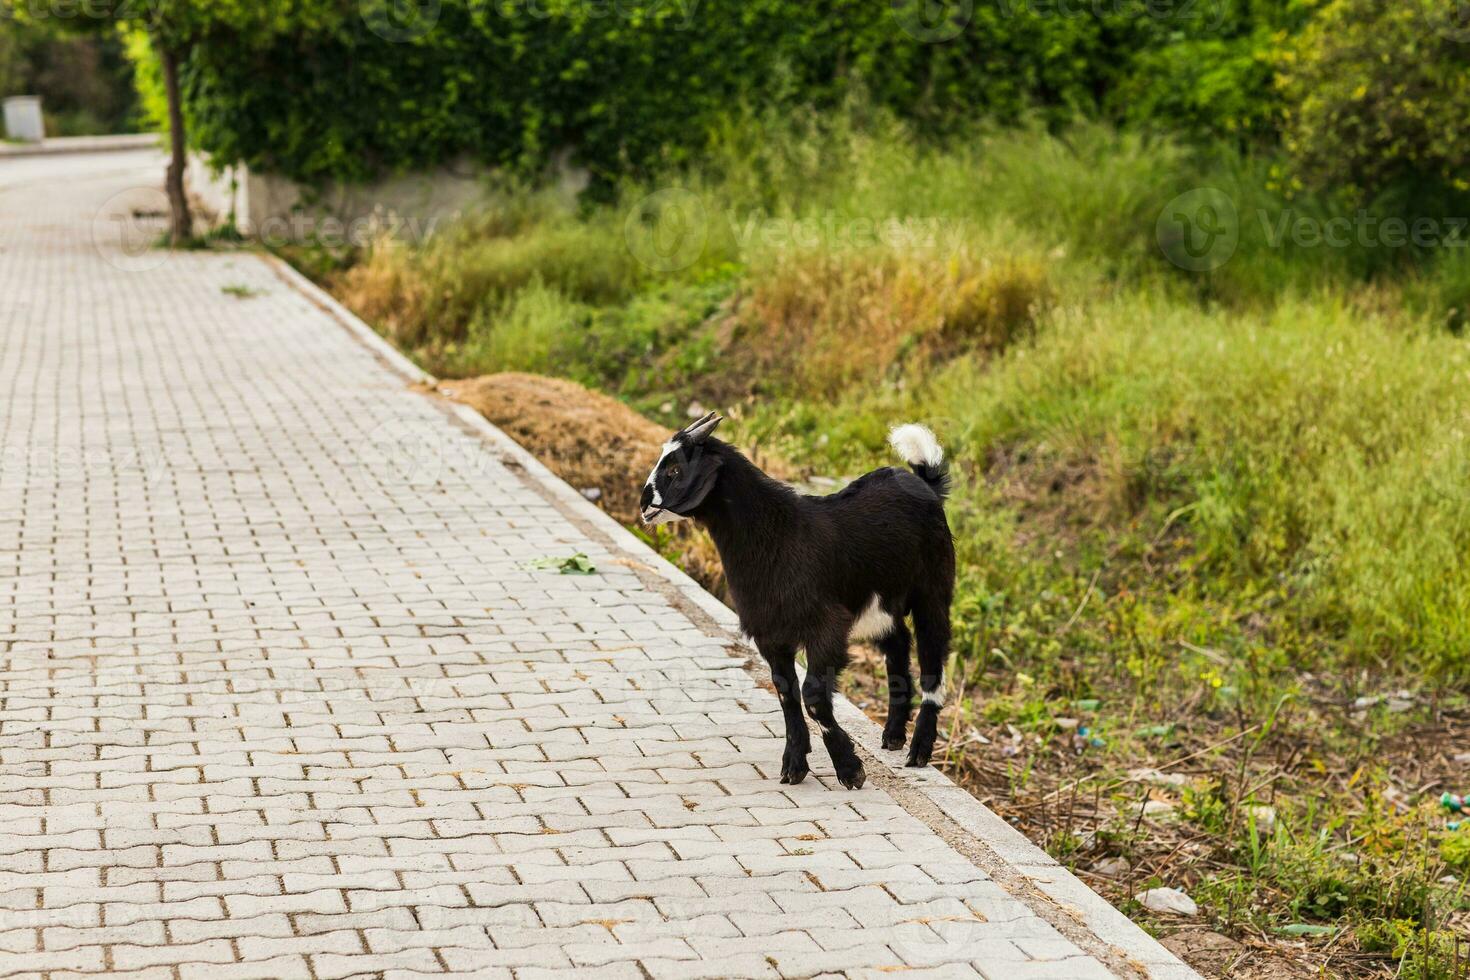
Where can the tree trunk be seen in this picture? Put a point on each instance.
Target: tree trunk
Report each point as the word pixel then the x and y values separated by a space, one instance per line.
pixel 181 223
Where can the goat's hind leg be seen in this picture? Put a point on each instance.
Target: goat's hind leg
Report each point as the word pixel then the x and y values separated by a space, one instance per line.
pixel 798 740
pixel 931 626
pixel 896 647
pixel 823 665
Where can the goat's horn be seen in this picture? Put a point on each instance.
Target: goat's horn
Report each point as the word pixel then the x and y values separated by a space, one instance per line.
pixel 699 421
pixel 704 426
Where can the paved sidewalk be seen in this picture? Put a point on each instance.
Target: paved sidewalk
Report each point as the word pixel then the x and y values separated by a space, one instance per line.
pixel 280 695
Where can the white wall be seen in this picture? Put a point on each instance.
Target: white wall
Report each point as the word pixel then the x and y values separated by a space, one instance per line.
pixel 278 210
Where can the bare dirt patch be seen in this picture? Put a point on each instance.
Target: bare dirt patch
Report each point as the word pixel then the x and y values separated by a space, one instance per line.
pixel 593 442
pixel 1215 955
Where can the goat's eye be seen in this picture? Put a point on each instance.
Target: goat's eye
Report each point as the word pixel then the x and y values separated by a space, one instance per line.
pixel 675 472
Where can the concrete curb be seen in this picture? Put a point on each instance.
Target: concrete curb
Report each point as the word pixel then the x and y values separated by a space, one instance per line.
pixel 82 144
pixel 1036 878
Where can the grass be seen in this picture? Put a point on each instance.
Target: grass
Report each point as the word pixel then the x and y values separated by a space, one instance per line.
pixel 1208 517
pixel 1319 455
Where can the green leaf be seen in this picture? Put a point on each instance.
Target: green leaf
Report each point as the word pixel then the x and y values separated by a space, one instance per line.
pixel 1306 929
pixel 578 564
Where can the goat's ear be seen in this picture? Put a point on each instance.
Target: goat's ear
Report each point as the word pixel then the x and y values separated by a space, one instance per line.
pixel 699 431
pixel 709 471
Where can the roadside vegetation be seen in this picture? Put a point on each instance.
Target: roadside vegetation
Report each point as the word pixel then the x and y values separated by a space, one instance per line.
pixel 1214 526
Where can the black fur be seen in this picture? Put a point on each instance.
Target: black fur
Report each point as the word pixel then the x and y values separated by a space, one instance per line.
pixel 802 569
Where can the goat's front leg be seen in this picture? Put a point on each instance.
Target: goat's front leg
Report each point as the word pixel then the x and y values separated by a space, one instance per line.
pixel 821 682
pixel 798 742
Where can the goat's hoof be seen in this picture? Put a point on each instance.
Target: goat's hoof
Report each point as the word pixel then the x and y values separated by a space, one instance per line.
pixel 919 758
pixel 892 742
pixel 854 778
pixel 793 769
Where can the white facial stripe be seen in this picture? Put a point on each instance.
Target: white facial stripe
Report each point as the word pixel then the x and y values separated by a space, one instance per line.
pixel 935 698
pixel 658 498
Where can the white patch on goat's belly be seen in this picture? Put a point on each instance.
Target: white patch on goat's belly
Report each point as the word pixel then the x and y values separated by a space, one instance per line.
pixel 872 623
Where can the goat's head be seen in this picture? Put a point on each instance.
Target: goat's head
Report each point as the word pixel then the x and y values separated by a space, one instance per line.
pixel 683 475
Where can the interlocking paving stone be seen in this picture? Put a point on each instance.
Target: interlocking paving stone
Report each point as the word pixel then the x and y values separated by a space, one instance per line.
pixel 281 695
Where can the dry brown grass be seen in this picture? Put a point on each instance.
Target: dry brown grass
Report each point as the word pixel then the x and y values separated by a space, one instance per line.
pixel 834 319
pixel 816 321
pixel 588 439
pixel 387 290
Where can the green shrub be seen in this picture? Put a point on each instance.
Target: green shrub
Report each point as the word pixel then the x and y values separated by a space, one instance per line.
pixel 1205 88
pixel 1377 94
pixel 637 87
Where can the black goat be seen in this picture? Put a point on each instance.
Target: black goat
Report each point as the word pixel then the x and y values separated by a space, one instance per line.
pixel 813 573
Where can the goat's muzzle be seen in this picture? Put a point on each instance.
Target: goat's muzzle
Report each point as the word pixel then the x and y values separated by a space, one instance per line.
pixel 659 515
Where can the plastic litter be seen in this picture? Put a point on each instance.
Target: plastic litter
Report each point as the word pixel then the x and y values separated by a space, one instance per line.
pixel 1087 738
pixel 1159 778
pixel 1453 804
pixel 1265 817
pixel 1113 867
pixel 1157 810
pixel 1168 900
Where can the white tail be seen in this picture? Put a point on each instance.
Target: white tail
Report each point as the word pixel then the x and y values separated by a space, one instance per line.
pixel 916 444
